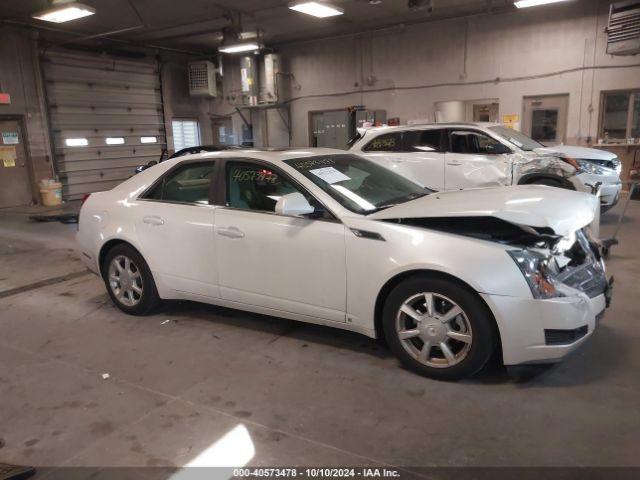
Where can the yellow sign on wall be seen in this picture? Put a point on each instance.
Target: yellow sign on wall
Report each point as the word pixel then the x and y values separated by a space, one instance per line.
pixel 511 121
pixel 8 156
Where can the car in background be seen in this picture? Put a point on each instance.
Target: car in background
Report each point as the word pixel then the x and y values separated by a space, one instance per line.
pixel 598 166
pixel 326 237
pixel 456 156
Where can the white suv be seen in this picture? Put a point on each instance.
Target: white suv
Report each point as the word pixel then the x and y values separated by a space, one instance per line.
pixel 470 155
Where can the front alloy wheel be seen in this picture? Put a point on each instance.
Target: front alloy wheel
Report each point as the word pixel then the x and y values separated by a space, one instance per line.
pixel 439 327
pixel 434 330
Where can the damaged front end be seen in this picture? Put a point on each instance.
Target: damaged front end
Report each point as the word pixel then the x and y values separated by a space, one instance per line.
pixel 553 265
pixel 536 165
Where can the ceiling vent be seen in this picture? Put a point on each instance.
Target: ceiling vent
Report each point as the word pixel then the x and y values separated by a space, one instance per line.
pixel 624 28
pixel 202 79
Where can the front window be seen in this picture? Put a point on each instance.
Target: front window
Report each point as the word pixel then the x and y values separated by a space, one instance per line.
pixel 357 184
pixel 516 138
pixel 252 186
pixel 470 142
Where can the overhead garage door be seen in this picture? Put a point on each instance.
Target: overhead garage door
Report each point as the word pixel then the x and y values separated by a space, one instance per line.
pixel 106 118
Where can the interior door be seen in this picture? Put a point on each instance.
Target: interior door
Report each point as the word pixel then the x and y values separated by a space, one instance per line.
pixel 15 186
pixel 174 223
pixel 291 264
pixel 545 118
pixel 417 155
pixel 475 159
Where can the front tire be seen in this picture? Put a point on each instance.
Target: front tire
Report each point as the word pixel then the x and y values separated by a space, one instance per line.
pixel 438 328
pixel 550 182
pixel 129 280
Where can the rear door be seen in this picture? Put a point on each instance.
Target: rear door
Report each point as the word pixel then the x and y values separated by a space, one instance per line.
pixel 174 223
pixel 475 159
pixel 414 154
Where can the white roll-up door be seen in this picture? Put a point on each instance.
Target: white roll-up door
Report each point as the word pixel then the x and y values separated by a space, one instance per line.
pixel 106 118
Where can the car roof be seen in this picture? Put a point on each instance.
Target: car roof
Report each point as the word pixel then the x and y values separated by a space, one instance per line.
pixel 419 126
pixel 267 154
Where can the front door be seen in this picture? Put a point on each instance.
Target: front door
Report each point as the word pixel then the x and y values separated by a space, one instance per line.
pixel 545 118
pixel 291 264
pixel 174 223
pixel 15 185
pixel 474 159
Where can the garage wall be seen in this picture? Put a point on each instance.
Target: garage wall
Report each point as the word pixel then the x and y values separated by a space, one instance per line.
pixel 19 76
pixel 538 51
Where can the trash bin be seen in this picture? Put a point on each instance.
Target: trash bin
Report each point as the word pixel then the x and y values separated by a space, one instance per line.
pixel 51 193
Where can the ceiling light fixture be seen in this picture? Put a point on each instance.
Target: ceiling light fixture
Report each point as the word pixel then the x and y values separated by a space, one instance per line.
pixel 535 3
pixel 317 9
pixel 239 47
pixel 64 11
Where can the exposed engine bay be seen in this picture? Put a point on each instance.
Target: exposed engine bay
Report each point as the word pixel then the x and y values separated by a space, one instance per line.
pixel 554 265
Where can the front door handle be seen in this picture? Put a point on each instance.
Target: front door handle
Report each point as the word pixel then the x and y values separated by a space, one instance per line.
pixel 454 163
pixel 153 220
pixel 230 232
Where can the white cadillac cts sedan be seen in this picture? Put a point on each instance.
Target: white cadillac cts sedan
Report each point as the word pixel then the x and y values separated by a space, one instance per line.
pixel 327 237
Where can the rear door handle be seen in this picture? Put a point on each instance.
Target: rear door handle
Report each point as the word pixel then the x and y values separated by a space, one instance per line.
pixel 454 163
pixel 230 232
pixel 153 220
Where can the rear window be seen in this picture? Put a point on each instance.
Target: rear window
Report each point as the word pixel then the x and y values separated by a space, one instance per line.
pixel 422 141
pixel 388 142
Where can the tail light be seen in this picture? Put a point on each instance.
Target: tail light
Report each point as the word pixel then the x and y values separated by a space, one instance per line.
pixel 84 198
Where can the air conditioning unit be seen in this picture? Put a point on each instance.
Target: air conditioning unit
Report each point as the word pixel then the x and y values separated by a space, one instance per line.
pixel 624 28
pixel 202 79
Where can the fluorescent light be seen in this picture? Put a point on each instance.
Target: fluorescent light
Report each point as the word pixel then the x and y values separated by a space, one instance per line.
pixel 317 9
pixel 114 140
pixel 76 142
pixel 65 12
pixel 239 47
pixel 148 139
pixel 534 3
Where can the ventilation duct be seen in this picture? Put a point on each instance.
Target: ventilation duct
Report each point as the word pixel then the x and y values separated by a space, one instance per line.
pixel 624 28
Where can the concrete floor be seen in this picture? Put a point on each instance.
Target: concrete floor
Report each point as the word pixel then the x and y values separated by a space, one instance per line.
pixel 194 378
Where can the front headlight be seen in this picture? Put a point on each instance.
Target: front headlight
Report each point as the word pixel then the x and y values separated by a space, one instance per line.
pixel 590 167
pixel 539 272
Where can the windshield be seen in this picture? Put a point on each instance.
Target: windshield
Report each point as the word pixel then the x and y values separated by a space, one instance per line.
pixel 357 184
pixel 519 139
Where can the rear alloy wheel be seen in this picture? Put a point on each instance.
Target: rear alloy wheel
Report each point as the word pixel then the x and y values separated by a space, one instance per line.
pixel 125 281
pixel 129 280
pixel 438 328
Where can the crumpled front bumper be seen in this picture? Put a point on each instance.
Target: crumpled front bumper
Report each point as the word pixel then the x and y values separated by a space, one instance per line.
pixel 527 324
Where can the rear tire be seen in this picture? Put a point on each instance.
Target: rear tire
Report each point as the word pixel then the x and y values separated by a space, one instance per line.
pixel 129 280
pixel 448 321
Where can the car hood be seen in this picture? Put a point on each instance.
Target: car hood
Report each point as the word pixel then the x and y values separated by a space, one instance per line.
pixel 582 153
pixel 564 211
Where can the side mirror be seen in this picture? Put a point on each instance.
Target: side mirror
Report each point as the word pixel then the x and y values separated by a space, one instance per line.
pixel 293 204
